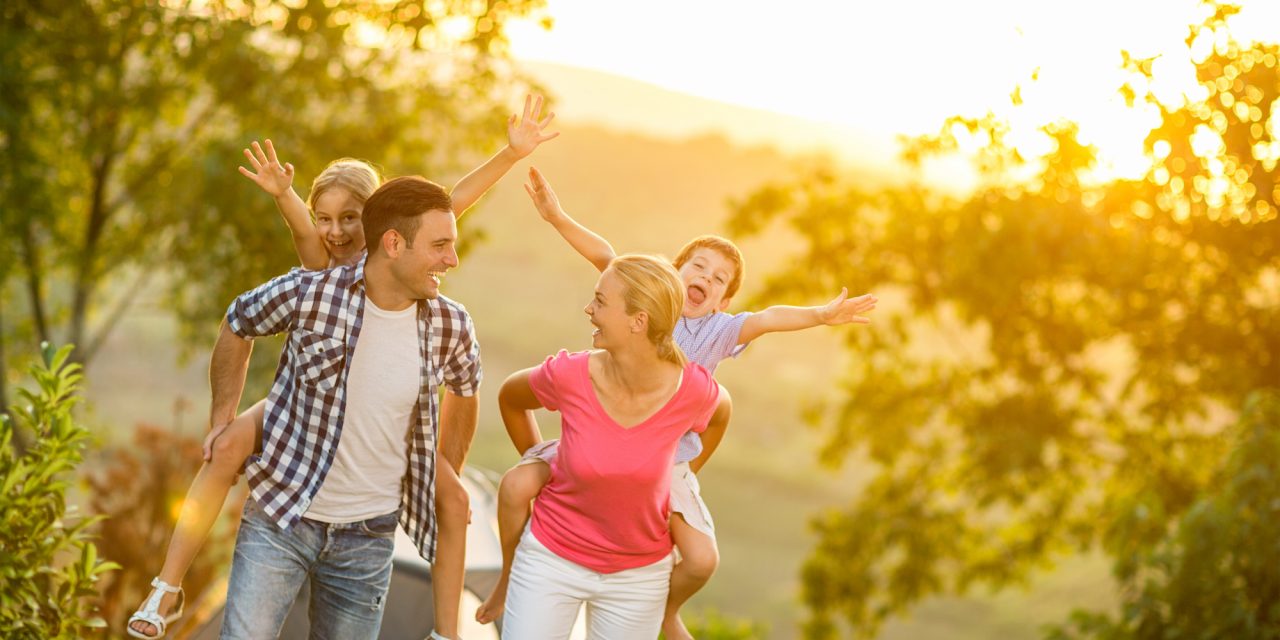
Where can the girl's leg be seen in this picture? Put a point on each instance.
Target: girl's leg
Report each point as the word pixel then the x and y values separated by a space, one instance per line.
pixel 516 492
pixel 448 574
pixel 699 558
pixel 204 502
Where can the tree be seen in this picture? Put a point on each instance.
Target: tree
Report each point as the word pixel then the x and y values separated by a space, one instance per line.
pixel 121 123
pixel 1065 357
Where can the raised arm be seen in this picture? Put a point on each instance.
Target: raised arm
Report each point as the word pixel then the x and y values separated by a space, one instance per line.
pixel 841 310
pixel 227 369
pixel 516 403
pixel 586 242
pixel 524 134
pixel 715 430
pixel 277 180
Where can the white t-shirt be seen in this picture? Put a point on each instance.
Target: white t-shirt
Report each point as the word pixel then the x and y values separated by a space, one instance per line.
pixel 373 451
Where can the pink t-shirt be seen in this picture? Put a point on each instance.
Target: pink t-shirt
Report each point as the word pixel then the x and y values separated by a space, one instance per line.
pixel 608 500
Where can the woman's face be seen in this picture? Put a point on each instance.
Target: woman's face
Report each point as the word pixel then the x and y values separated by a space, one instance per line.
pixel 607 312
pixel 338 221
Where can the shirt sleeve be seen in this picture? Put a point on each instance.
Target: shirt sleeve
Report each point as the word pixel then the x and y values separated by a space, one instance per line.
pixel 546 380
pixel 708 400
pixel 267 310
pixel 726 336
pixel 462 371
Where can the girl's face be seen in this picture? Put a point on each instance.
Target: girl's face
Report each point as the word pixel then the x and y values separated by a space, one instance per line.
pixel 338 221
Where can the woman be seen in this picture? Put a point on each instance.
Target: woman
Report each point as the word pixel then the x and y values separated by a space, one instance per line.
pixel 336 237
pixel 599 532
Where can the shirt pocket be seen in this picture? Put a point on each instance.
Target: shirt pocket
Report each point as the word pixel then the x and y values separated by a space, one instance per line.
pixel 320 361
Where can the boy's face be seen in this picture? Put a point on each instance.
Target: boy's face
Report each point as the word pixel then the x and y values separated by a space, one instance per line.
pixel 706 275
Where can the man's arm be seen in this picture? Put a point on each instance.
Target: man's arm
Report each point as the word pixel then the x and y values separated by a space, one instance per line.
pixel 516 402
pixel 227 369
pixel 714 433
pixel 276 180
pixel 586 242
pixel 841 310
pixel 523 136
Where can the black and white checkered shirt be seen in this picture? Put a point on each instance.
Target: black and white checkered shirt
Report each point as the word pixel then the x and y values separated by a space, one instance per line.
pixel 322 311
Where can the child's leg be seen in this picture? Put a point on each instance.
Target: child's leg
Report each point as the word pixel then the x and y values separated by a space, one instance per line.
pixel 699 558
pixel 448 573
pixel 204 501
pixel 519 487
pixel 694 535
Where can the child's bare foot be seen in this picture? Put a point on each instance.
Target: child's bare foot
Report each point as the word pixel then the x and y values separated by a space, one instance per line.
pixel 673 628
pixel 493 605
pixel 148 630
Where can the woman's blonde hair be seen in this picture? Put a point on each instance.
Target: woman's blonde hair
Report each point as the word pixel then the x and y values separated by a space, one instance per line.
pixel 652 285
pixel 358 177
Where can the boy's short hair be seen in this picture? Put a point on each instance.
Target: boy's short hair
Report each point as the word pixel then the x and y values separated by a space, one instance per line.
pixel 724 247
pixel 399 204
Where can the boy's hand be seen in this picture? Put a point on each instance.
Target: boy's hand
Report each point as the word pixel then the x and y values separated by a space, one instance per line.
pixel 524 135
pixel 845 310
pixel 270 175
pixel 543 197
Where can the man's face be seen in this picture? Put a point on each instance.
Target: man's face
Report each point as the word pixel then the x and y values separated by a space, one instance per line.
pixel 419 268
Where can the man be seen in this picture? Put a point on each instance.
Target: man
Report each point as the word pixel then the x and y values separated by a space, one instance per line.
pixel 350 442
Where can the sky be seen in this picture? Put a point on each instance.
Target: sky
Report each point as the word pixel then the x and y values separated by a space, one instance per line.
pixel 900 66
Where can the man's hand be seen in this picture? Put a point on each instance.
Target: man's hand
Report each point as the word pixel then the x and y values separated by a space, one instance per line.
pixel 268 173
pixel 214 433
pixel 525 133
pixel 845 310
pixel 544 198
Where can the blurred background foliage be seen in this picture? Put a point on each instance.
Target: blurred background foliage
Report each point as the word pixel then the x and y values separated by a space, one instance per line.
pixel 1060 363
pixel 119 122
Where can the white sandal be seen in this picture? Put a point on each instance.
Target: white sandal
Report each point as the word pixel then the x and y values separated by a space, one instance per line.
pixel 149 612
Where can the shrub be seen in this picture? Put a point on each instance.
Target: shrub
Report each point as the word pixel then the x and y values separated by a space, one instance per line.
pixel 48 566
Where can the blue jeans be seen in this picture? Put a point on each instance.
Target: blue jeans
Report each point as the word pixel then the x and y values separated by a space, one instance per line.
pixel 349 566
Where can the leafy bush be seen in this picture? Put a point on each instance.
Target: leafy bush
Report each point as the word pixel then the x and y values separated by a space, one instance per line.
pixel 47 564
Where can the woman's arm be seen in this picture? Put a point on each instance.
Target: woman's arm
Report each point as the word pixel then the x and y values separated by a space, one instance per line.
pixel 277 180
pixel 516 403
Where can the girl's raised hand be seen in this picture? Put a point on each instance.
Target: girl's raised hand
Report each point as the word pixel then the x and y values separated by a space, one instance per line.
pixel 525 133
pixel 268 173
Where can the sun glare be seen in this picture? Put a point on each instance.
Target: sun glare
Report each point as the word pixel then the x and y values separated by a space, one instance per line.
pixel 904 67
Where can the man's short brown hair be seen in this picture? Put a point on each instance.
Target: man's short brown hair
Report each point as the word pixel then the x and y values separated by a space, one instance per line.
pixel 399 204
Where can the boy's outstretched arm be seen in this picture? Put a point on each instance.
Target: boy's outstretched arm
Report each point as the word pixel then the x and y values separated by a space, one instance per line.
pixel 523 136
pixel 714 433
pixel 516 403
pixel 841 310
pixel 586 242
pixel 277 180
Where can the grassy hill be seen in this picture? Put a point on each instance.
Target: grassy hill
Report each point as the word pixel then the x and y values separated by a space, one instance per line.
pixel 526 290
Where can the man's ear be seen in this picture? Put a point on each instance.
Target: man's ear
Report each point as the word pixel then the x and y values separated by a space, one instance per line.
pixel 391 243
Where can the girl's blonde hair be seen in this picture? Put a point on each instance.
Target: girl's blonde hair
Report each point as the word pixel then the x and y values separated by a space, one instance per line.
pixel 653 286
pixel 358 177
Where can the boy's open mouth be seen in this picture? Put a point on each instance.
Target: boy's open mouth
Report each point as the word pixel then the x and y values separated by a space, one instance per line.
pixel 696 294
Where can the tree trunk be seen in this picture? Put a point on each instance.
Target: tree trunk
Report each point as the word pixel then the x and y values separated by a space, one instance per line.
pixel 86 277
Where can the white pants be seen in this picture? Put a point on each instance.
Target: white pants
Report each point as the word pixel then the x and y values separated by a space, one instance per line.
pixel 546 592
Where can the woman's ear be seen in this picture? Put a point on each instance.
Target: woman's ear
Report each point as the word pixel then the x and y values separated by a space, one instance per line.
pixel 640 322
